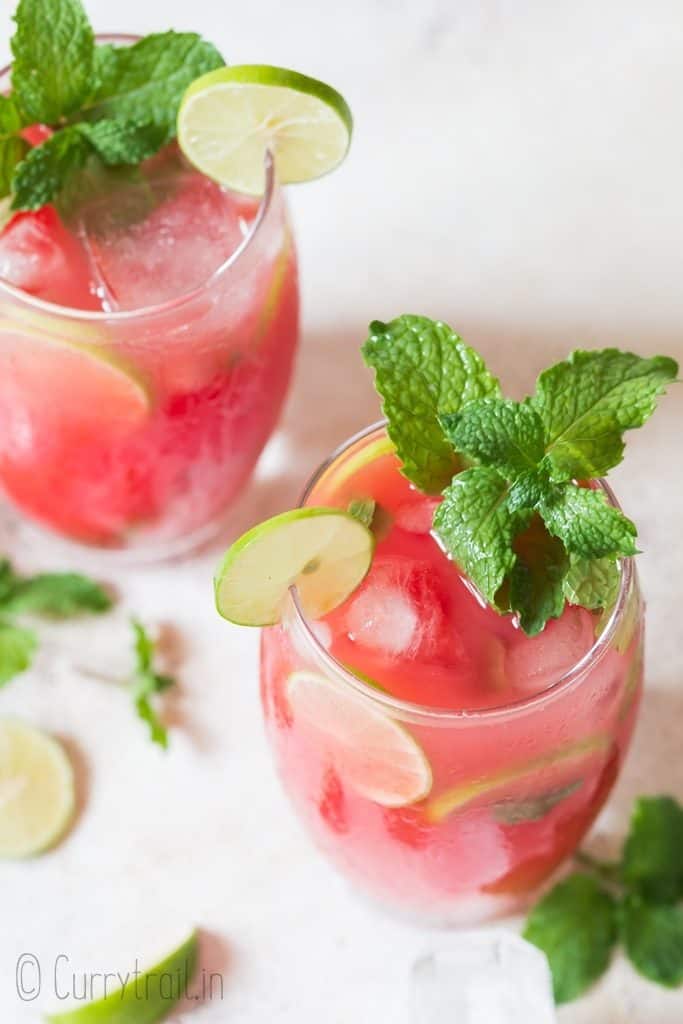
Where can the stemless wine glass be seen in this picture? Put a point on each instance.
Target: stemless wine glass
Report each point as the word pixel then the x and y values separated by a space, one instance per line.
pixel 134 428
pixel 514 787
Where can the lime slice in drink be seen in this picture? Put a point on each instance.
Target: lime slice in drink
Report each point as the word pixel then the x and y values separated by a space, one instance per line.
pixel 148 998
pixel 325 553
pixel 230 117
pixel 87 384
pixel 535 770
pixel 37 798
pixel 371 752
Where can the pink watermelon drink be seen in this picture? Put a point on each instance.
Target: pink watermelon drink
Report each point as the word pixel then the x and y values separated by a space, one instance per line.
pixel 453 662
pixel 148 309
pixel 520 738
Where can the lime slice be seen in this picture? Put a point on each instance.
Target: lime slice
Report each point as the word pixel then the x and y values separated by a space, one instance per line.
pixel 37 798
pixel 371 752
pixel 87 384
pixel 150 999
pixel 230 117
pixel 459 796
pixel 325 553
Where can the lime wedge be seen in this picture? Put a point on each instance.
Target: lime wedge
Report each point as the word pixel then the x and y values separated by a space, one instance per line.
pixel 87 383
pixel 325 553
pixel 459 796
pixel 371 752
pixel 230 117
pixel 150 998
pixel 37 798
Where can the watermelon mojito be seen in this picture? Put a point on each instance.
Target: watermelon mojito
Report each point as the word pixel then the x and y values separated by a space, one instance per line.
pixel 148 308
pixel 507 745
pixel 453 659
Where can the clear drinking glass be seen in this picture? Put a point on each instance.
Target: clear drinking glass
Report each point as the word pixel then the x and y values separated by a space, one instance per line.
pixel 515 787
pixel 134 427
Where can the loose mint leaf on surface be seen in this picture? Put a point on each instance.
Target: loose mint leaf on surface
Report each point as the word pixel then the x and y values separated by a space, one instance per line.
pixel 653 938
pixel 363 509
pixel 53 49
pixel 123 142
pixel 145 82
pixel 47 168
pixel 8 580
pixel 536 590
pixel 589 400
pixel 59 595
pixel 477 528
pixel 592 582
pixel 496 432
pixel 146 682
pixel 12 147
pixel 652 861
pixel 586 524
pixel 423 370
pixel 576 927
pixel 17 647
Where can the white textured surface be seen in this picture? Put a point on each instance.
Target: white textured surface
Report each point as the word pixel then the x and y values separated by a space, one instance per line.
pixel 516 170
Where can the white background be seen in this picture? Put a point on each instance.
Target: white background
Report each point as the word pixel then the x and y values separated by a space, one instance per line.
pixel 517 170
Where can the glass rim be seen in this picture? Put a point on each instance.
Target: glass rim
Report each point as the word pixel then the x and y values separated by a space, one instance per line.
pixel 570 677
pixel 169 305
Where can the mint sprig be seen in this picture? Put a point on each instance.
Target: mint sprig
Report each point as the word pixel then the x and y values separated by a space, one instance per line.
pixel 516 519
pixel 49 595
pixel 146 682
pixel 637 900
pixel 116 105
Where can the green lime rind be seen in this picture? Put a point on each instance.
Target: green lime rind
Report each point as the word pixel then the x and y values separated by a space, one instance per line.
pixel 146 999
pixel 324 552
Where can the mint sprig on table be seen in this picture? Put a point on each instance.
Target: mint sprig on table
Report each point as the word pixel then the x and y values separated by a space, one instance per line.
pixel 146 682
pixel 637 901
pixel 50 595
pixel 113 106
pixel 514 516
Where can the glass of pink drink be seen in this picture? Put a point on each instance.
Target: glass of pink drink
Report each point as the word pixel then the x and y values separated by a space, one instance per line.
pixel 522 737
pixel 146 347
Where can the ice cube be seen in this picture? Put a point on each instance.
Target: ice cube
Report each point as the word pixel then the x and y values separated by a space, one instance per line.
pixel 417 516
pixel 483 977
pixel 158 238
pixel 399 611
pixel 534 663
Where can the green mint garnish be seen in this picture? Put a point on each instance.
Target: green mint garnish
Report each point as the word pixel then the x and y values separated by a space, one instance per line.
pixel 51 595
pixel 146 682
pixel 576 927
pixel 116 105
pixel 516 519
pixel 423 371
pixel 637 900
pixel 17 647
pixel 363 509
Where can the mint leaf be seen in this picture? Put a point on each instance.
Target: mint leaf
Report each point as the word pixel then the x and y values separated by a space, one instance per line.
pixel 145 683
pixel 536 590
pixel 12 147
pixel 46 168
pixel 585 523
pixel 17 647
pixel 529 488
pixel 123 142
pixel 53 49
pixel 59 595
pixel 363 509
pixel 653 939
pixel 497 432
pixel 592 582
pixel 145 82
pixel 477 528
pixel 423 370
pixel 516 812
pixel 652 860
pixel 8 579
pixel 576 927
pixel 589 400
